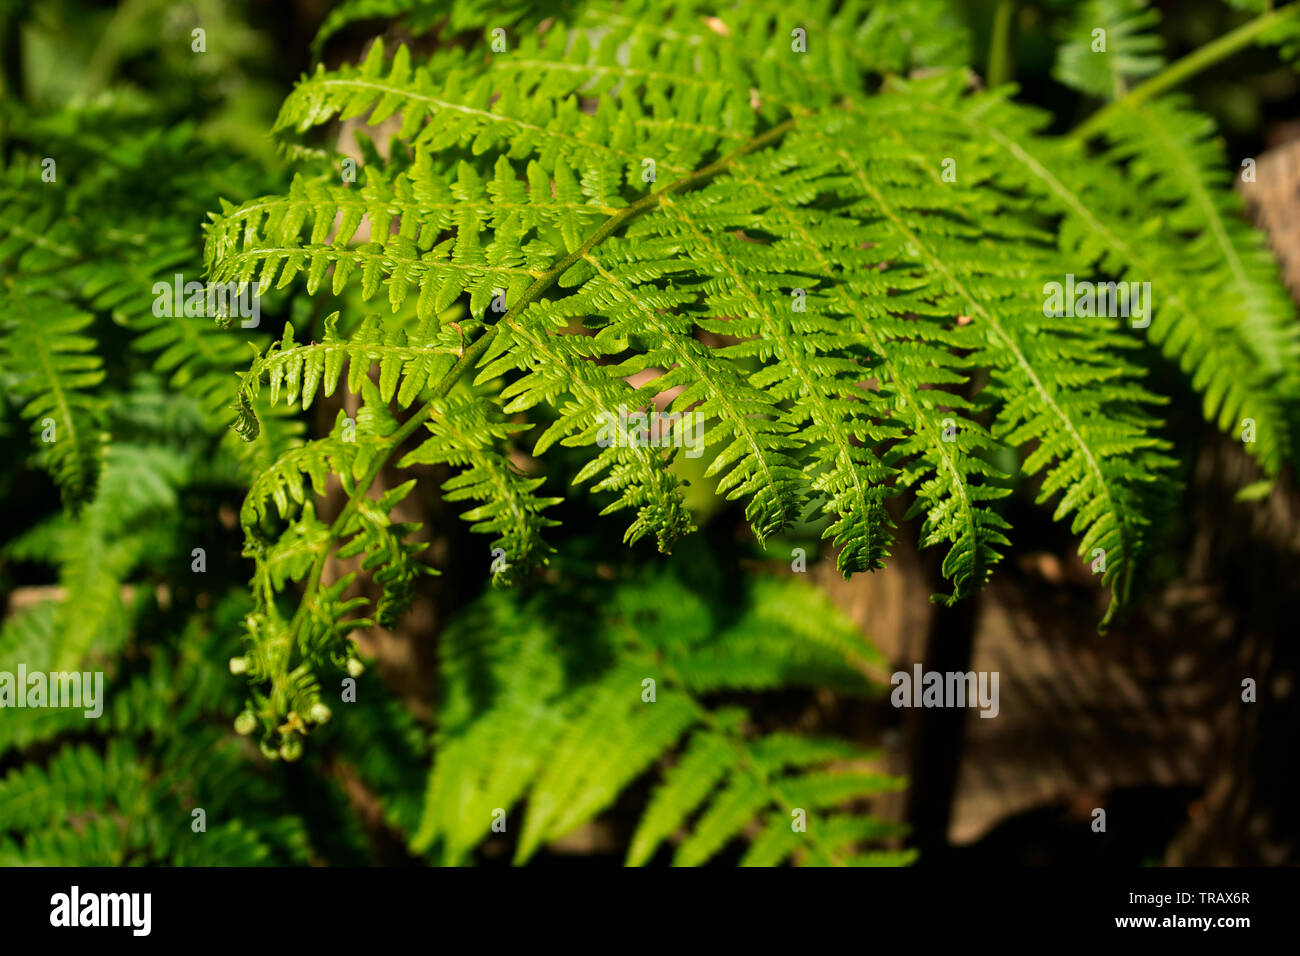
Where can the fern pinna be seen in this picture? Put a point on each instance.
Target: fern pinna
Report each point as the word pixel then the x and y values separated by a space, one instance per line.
pixel 811 229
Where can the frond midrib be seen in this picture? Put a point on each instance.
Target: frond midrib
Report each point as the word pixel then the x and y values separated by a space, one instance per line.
pixel 1077 207
pixel 1191 174
pixel 437 103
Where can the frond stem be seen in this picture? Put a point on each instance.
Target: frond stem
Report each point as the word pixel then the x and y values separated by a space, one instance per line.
pixel 999 68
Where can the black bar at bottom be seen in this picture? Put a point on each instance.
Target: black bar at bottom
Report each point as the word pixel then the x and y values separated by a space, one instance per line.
pixel 574 905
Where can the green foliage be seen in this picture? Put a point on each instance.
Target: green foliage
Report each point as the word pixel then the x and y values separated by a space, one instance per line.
pixel 416 361
pixel 140 449
pixel 118 218
pixel 126 797
pixel 463 433
pixel 845 286
pixel 1232 324
pixel 1182 171
pixel 565 699
pixel 59 368
pixel 1102 64
pixel 122 789
pixel 809 229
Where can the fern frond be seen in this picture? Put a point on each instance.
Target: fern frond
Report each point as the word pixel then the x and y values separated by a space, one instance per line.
pixel 703 765
pixel 415 361
pixel 273 240
pixel 757 461
pixel 284 657
pixel 756 788
pixel 515 724
pixel 748 44
pixel 385 553
pixel 38 797
pixel 53 241
pixel 443 105
pixel 1102 65
pixel 559 365
pixel 101 808
pixel 685 213
pixel 626 290
pixel 1174 159
pixel 1104 225
pixel 137 483
pixel 1086 418
pixel 283 483
pixel 913 406
pixel 53 368
pixel 27 638
pixel 464 432
pixel 609 738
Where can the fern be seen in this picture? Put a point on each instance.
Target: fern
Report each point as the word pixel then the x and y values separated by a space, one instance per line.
pixel 691 212
pixel 59 373
pixel 1104 64
pixel 1184 174
pixel 147 469
pixel 415 361
pixel 120 790
pixel 516 724
pixel 807 230
pixel 1171 175
pixel 463 433
pixel 288 653
pixel 58 255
